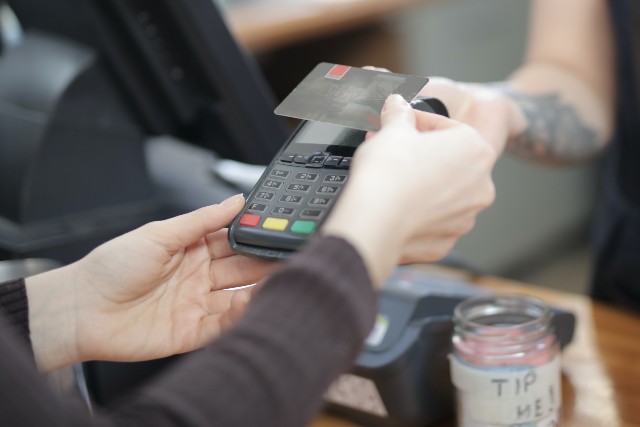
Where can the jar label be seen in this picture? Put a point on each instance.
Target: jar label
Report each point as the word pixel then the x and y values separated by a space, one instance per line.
pixel 507 395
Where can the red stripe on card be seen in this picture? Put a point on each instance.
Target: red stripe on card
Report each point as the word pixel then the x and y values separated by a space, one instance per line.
pixel 337 72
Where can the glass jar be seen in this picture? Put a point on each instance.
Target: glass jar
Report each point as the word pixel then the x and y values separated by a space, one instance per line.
pixel 505 363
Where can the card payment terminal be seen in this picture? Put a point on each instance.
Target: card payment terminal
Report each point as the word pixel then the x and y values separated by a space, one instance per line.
pixel 300 186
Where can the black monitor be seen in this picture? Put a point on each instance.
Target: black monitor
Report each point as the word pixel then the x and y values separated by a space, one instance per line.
pixel 82 93
pixel 177 64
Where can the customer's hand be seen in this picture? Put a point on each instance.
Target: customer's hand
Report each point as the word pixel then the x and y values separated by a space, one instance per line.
pixel 153 292
pixel 414 189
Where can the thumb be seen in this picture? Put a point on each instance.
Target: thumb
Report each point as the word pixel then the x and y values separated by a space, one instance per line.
pixel 397 112
pixel 184 230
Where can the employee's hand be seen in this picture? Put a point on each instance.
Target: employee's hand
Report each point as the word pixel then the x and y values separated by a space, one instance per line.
pixel 153 292
pixel 483 107
pixel 414 189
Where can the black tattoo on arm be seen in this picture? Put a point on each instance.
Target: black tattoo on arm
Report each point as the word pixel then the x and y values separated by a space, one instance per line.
pixel 555 132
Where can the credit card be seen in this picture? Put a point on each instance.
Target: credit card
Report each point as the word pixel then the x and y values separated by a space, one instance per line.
pixel 347 96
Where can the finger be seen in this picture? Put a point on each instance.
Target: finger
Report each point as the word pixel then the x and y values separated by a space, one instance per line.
pixel 369 135
pixel 371 67
pixel 184 230
pixel 229 308
pixel 426 122
pixel 238 270
pixel 439 87
pixel 218 244
pixel 219 301
pixel 239 303
pixel 397 112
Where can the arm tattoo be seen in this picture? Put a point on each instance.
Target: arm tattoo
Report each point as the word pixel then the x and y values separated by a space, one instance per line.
pixel 555 133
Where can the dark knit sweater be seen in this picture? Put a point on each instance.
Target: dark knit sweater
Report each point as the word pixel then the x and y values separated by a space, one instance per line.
pixel 304 328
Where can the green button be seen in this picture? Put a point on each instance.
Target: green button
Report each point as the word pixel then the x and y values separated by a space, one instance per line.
pixel 303 227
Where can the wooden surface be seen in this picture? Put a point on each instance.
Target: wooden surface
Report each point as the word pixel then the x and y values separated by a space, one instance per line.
pixel 601 368
pixel 261 25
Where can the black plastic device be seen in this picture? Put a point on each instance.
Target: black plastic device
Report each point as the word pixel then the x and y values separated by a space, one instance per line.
pixel 300 186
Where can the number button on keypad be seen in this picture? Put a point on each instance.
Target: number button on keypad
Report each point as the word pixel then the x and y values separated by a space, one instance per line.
pixel 306 176
pixel 327 189
pixel 319 201
pixel 279 210
pixel 279 173
pixel 264 195
pixel 270 183
pixel 298 187
pixel 288 198
pixel 338 179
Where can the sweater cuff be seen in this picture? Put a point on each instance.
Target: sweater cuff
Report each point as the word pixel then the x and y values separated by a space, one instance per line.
pixel 14 306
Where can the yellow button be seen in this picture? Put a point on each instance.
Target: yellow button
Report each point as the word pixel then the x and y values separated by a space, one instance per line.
pixel 275 224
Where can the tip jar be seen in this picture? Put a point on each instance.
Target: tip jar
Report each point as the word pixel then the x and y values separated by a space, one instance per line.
pixel 505 363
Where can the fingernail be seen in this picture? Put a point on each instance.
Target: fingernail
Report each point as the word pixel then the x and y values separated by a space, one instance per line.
pixel 233 199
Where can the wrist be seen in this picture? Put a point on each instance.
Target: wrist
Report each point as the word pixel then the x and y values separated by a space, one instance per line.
pixel 373 236
pixel 52 323
pixel 515 122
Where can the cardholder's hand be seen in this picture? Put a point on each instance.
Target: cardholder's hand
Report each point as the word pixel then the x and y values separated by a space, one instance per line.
pixel 418 185
pixel 156 291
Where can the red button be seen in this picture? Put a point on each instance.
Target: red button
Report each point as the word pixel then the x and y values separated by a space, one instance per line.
pixel 249 220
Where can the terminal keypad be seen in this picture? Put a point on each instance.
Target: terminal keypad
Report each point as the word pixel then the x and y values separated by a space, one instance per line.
pixel 297 195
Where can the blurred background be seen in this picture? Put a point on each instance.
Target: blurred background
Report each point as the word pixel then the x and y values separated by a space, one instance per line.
pixel 538 229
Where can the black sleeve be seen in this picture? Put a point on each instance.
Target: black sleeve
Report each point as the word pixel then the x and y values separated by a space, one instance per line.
pixel 304 327
pixel 14 307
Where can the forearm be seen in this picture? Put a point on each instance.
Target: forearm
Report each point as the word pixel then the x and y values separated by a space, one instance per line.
pixel 555 116
pixel 562 98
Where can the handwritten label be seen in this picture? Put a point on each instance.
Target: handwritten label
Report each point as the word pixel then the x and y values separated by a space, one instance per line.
pixel 507 395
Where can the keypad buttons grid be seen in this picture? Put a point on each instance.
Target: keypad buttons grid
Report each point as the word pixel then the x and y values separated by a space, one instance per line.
pixel 285 183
